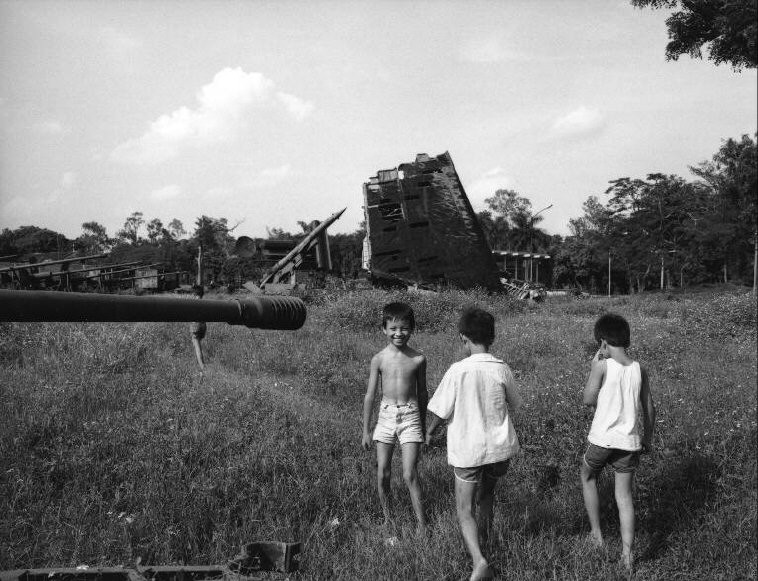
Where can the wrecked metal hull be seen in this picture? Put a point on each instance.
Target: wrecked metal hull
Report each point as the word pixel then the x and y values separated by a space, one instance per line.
pixel 421 228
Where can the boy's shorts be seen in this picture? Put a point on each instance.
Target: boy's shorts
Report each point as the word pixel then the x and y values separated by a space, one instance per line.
pixel 398 421
pixel 620 460
pixel 477 473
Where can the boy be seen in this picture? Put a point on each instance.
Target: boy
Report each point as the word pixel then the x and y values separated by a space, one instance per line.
pixel 401 370
pixel 618 389
pixel 476 396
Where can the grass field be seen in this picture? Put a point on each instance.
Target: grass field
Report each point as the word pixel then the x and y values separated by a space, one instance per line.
pixel 113 447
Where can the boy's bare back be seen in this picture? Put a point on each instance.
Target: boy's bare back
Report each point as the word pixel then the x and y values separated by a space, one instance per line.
pixel 400 371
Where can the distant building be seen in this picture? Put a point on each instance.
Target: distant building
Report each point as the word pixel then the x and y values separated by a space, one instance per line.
pixel 526 266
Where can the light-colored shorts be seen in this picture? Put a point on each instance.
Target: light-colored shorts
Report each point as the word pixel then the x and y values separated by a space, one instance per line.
pixel 398 421
pixel 477 473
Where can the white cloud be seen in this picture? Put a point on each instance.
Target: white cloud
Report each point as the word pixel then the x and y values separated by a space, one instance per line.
pixel 118 43
pixel 487 184
pixel 264 179
pixel 65 185
pixel 489 49
pixel 221 192
pixel 580 122
pixel 270 177
pixel 68 180
pixel 166 193
pixel 218 117
pixel 48 127
pixel 297 107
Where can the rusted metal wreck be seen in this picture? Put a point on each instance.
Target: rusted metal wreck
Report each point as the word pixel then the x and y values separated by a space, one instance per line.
pixel 422 229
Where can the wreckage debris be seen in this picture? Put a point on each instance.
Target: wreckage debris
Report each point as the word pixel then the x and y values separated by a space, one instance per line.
pixel 422 230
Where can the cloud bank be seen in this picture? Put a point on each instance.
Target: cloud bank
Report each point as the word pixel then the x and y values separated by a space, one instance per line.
pixel 217 118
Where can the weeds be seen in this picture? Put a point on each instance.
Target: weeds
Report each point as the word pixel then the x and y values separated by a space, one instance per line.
pixel 114 447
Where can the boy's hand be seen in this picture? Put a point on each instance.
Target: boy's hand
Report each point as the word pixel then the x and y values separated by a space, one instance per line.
pixel 428 439
pixel 366 441
pixel 647 446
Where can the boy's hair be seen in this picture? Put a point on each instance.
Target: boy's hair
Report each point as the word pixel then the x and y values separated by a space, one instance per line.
pixel 399 311
pixel 614 329
pixel 478 325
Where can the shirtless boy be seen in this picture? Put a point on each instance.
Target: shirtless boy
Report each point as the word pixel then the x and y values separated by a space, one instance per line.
pixel 401 372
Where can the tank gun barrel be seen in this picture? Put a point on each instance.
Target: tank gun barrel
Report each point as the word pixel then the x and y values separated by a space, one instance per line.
pixel 262 312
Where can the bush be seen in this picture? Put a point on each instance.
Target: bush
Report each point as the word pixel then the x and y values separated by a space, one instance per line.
pixel 435 311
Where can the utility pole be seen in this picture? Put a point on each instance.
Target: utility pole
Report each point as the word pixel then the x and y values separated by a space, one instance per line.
pixel 531 238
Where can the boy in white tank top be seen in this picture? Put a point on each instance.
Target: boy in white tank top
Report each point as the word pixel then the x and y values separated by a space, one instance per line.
pixel 619 390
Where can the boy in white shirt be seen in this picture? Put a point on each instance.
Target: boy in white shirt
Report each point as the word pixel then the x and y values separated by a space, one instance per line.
pixel 476 396
pixel 619 390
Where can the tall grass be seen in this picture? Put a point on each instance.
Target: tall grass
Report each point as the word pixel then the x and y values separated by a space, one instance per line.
pixel 113 447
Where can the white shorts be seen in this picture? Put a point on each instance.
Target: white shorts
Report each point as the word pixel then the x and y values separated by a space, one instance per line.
pixel 398 421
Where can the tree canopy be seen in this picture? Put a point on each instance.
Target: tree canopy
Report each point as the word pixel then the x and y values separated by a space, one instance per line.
pixel 726 27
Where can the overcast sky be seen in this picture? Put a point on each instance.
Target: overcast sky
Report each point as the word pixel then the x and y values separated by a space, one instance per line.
pixel 270 112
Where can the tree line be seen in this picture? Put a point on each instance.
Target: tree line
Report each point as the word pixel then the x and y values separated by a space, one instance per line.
pixel 640 234
pixel 659 232
pixel 150 242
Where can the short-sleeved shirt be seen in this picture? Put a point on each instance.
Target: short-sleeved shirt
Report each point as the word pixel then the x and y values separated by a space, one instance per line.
pixel 475 396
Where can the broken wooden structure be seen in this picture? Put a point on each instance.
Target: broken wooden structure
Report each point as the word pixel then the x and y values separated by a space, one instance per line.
pixel 254 558
pixel 422 230
pixel 33 274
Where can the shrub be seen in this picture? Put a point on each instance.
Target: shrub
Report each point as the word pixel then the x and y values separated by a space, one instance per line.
pixel 435 312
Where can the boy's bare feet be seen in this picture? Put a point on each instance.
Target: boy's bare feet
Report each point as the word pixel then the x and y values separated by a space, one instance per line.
pixel 627 561
pixel 596 540
pixel 482 571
